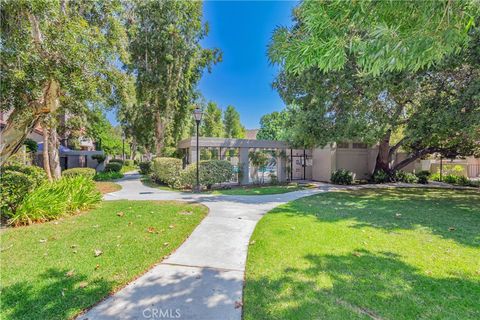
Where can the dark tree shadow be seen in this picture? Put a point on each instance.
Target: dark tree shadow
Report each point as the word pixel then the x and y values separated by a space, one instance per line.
pixel 450 214
pixel 360 286
pixel 61 297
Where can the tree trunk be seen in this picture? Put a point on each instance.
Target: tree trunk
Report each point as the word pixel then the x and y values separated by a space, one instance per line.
pixel 53 154
pixel 46 162
pixel 159 134
pixel 133 149
pixel 383 157
pixel 22 121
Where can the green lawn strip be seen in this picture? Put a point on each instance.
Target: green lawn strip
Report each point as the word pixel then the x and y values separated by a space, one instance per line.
pixel 126 169
pixel 389 253
pixel 259 190
pixel 50 271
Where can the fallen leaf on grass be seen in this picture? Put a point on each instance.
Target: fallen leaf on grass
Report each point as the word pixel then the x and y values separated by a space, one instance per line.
pixel 171 226
pixel 98 252
pixel 97 267
pixel 452 229
pixel 70 273
pixel 43 240
pixel 238 304
pixel 398 215
pixel 357 254
pixel 252 242
pixel 83 284
pixel 165 244
pixel 120 214
pixel 151 230
pixel 186 213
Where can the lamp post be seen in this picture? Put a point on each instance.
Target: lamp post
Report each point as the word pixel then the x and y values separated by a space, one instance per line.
pixel 197 115
pixel 123 146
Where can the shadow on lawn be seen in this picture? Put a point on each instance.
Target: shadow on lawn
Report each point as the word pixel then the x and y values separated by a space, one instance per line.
pixel 450 214
pixel 61 297
pixel 360 285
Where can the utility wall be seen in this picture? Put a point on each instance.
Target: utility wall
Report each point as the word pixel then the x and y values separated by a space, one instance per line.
pixel 354 157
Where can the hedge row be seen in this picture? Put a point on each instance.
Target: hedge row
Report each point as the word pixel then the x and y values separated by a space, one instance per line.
pixel 170 171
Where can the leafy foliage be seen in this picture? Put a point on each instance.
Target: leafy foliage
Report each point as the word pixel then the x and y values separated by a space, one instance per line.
pixel 422 176
pixel 382 36
pixel 99 157
pixel 52 200
pixel 210 172
pixel 14 186
pixel 113 167
pixel 167 171
pixel 233 126
pixel 342 176
pixel 84 172
pixel 32 145
pixel 407 177
pixel 381 176
pixel 212 125
pixel 106 176
pixel 273 126
pixel 145 167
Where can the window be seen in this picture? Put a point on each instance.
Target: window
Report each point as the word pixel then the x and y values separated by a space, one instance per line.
pixel 342 145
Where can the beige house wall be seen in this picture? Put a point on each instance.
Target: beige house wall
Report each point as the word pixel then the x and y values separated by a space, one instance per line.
pixel 324 162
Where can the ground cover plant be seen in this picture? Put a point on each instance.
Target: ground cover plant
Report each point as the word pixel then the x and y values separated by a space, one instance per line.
pixel 259 190
pixel 381 254
pixel 107 186
pixel 56 269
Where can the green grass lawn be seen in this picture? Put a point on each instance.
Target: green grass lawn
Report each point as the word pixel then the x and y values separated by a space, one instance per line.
pixel 259 190
pixel 369 254
pixel 50 271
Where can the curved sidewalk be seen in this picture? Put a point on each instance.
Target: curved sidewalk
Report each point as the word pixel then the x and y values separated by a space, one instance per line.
pixel 203 278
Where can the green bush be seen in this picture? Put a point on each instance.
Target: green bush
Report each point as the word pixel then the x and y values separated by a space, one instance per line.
pixel 342 176
pixel 129 163
pixel 15 183
pixel 422 176
pixel 116 160
pixel 99 157
pixel 406 177
pixel 210 173
pixel 113 167
pixel 145 167
pixel 74 172
pixel 381 177
pixel 37 174
pixel 435 176
pixel 167 171
pixel 55 199
pixel 451 179
pixel 105 176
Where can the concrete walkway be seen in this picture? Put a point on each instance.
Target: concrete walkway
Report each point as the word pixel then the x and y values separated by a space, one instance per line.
pixel 203 279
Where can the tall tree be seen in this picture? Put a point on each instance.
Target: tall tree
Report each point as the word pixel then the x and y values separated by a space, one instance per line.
pixel 69 55
pixel 273 126
pixel 212 125
pixel 232 124
pixel 168 61
pixel 354 100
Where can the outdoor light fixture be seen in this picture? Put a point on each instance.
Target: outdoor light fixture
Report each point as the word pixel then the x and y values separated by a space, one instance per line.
pixel 197 115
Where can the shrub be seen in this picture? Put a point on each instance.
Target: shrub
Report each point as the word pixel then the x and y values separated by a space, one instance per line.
pixel 99 157
pixel 145 167
pixel 55 199
pixel 74 172
pixel 422 176
pixel 406 177
pixel 128 163
pixel 113 167
pixel 381 177
pixel 105 176
pixel 167 171
pixel 37 174
pixel 435 176
pixel 342 176
pixel 15 183
pixel 210 173
pixel 450 178
pixel 116 161
pixel 32 145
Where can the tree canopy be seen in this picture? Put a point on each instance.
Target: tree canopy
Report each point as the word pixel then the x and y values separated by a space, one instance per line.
pixel 232 124
pixel 212 125
pixel 44 67
pixel 273 126
pixel 381 36
pixel 428 107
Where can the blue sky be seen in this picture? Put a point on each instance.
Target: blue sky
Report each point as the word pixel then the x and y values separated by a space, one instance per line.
pixel 242 30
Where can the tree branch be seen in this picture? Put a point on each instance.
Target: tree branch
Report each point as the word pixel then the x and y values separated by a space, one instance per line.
pixel 414 156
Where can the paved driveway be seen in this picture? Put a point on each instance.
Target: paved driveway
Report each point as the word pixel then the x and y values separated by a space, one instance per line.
pixel 203 279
